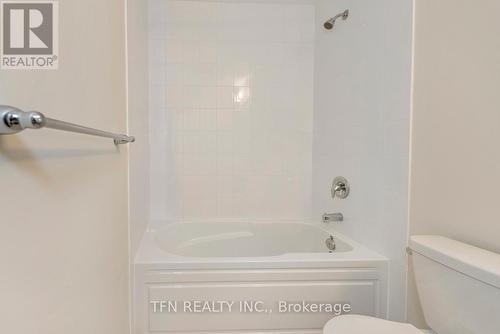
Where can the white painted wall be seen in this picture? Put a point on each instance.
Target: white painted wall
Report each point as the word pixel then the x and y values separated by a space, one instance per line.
pixel 455 155
pixel 361 127
pixel 63 229
pixel 231 106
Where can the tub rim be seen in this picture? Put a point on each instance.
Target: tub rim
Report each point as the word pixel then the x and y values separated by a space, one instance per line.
pixel 150 254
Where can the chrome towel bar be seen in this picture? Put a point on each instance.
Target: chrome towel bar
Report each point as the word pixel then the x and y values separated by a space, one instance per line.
pixel 14 120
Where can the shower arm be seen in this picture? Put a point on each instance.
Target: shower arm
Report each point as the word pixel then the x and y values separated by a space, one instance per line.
pixel 14 120
pixel 343 15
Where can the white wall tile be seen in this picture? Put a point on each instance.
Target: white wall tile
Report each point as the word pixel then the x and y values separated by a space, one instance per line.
pixel 173 51
pixel 225 119
pixel 208 119
pixel 208 52
pixel 174 73
pixel 224 129
pixel 208 97
pixel 174 96
pixel 225 98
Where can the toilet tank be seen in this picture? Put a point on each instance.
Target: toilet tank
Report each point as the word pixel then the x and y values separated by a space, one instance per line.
pixel 458 285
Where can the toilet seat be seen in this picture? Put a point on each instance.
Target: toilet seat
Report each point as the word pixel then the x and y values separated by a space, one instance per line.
pixel 359 324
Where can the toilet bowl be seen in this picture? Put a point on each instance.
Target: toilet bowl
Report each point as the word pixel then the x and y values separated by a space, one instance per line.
pixel 445 271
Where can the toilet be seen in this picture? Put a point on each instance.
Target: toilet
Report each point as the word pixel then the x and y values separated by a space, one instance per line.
pixel 458 286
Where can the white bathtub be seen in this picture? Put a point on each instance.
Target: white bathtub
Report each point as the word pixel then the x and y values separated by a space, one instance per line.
pixel 254 263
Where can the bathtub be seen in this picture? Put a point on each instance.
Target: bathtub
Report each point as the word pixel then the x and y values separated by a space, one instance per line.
pixel 263 277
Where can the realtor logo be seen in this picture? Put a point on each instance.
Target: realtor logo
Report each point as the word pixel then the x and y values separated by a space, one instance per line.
pixel 29 35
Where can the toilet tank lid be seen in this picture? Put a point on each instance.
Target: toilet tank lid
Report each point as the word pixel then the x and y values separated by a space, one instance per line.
pixel 472 261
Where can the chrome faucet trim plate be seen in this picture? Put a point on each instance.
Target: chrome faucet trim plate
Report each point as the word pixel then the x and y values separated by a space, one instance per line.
pixel 340 187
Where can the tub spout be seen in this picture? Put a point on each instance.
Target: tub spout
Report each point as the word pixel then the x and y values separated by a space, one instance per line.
pixel 333 217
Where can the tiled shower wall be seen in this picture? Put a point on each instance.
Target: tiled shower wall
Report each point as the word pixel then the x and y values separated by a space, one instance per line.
pixel 231 110
pixel 362 127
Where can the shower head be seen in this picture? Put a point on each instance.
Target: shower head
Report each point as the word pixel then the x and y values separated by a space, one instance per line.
pixel 331 22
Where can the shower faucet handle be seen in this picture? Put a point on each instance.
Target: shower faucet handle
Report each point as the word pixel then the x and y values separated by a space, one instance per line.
pixel 340 187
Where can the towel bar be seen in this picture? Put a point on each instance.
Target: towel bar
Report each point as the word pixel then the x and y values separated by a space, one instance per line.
pixel 14 120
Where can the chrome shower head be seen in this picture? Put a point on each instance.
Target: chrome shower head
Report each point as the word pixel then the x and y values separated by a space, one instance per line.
pixel 331 22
